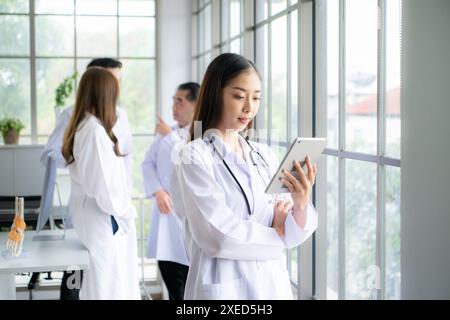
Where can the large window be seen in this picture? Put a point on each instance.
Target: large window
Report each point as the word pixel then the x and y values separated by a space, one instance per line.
pixel 44 41
pixel 218 26
pixel 363 155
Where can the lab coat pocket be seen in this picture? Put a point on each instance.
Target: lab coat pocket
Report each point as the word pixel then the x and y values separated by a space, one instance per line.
pixel 229 290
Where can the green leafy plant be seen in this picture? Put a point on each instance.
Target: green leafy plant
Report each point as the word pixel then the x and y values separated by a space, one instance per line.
pixel 10 129
pixel 64 90
pixel 7 124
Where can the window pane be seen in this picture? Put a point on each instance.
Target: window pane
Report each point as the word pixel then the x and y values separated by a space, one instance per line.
pixel 235 46
pixel 201 31
pixel 278 6
pixel 262 9
pixel 97 7
pixel 54 6
pixel 14 35
pixel 279 79
pixel 50 73
pixel 361 75
pixel 15 90
pixel 393 239
pixel 140 147
pixel 263 66
pixel 194 68
pixel 332 228
pixel 333 73
pixel 225 12
pixel 293 66
pixel 208 27
pixel 137 7
pixel 81 66
pixel 235 18
pixel 17 6
pixel 54 36
pixel 137 37
pixel 360 228
pixel 96 36
pixel 393 34
pixel 138 94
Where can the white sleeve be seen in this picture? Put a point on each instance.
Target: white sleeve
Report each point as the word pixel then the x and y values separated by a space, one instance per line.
pixel 217 230
pixel 294 235
pixel 103 175
pixel 127 144
pixel 55 140
pixel 149 170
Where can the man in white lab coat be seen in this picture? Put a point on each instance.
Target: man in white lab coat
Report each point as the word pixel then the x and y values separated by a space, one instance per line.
pixel 55 141
pixel 165 240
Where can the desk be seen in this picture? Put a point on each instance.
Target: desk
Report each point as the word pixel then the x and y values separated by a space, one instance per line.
pixel 58 255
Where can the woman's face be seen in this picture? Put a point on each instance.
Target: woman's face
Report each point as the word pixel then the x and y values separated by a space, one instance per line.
pixel 241 98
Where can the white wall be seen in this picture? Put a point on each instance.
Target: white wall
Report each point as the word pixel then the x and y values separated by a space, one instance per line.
pixel 174 50
pixel 426 150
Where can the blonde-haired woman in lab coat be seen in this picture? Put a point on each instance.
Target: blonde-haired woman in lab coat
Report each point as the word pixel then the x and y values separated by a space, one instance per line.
pixel 234 233
pixel 100 203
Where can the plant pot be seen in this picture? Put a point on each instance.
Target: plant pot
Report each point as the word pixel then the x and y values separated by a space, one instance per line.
pixel 11 137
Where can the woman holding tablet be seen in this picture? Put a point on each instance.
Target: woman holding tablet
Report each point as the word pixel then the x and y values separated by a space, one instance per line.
pixel 234 232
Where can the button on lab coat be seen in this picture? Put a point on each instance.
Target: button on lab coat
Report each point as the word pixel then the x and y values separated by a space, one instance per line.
pixel 99 189
pixel 233 255
pixel 165 241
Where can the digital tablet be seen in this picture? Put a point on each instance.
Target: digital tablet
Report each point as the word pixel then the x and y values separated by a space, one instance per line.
pixel 300 148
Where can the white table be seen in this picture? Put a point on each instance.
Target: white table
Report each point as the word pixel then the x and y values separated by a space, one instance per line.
pixel 56 255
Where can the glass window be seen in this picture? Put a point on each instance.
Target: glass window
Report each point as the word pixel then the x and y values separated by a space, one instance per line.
pixel 235 46
pixel 55 36
pixel 208 26
pixel 15 35
pixel 99 41
pixel 137 7
pixel 235 18
pixel 278 6
pixel 333 73
pixel 279 79
pixel 332 228
pixel 293 67
pixel 96 7
pixel 16 6
pixel 54 6
pixel 393 24
pixel 393 241
pixel 15 90
pixel 138 94
pixel 135 34
pixel 360 227
pixel 49 74
pixel 361 75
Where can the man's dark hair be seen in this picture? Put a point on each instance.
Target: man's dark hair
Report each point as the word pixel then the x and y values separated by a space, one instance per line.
pixel 193 89
pixel 105 63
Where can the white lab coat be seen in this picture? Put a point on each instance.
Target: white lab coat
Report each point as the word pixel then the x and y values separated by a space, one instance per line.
pixel 165 241
pixel 232 255
pixel 99 189
pixel 121 129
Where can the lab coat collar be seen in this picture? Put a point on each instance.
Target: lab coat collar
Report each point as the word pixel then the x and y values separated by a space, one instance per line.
pixel 229 155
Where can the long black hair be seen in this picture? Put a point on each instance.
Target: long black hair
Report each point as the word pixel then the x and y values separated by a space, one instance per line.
pixel 223 69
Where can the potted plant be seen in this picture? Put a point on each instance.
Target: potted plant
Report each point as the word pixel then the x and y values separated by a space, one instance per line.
pixel 63 91
pixel 10 129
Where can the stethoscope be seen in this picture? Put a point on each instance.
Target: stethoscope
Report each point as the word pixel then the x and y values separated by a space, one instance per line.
pixel 253 153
